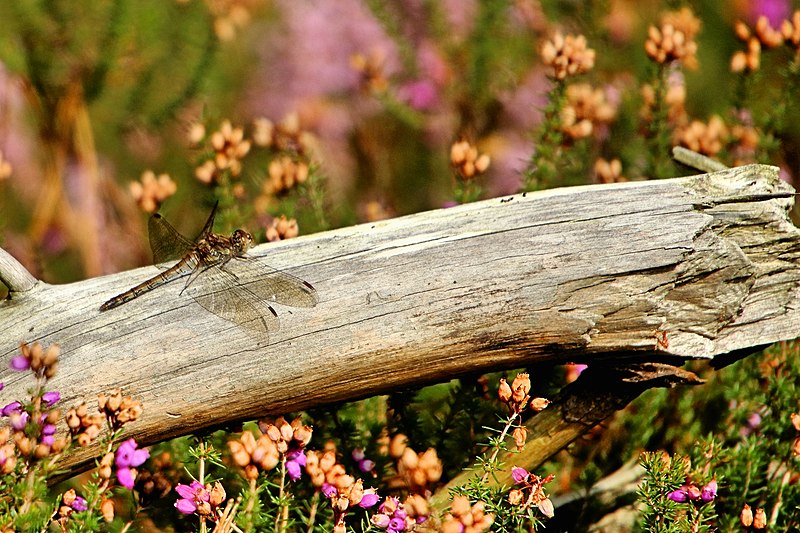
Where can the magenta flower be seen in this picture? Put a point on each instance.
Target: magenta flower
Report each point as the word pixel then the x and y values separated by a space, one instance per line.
pixel 368 500
pixel 19 363
pixel 79 504
pixel 396 524
pixel 364 464
pixel 295 461
pixel 128 457
pixel 329 490
pixel 18 420
pixel 13 407
pixel 519 474
pixel 709 491
pixel 50 398
pixel 678 495
pixel 190 496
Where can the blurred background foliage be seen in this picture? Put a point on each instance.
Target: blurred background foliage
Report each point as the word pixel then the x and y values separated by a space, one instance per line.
pixel 93 95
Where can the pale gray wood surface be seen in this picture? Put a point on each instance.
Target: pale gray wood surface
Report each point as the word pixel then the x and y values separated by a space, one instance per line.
pixel 689 267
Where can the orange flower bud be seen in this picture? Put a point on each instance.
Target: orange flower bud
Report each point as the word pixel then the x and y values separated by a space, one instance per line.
pixel 760 519
pixel 504 391
pixel 746 516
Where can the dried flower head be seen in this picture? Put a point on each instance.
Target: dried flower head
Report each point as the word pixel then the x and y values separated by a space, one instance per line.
pixel 675 100
pixel 705 138
pixel 418 472
pixel 282 228
pixel 466 160
pixel 585 108
pixel 608 171
pixel 117 409
pixel 42 362
pixel 284 174
pixel 466 517
pixel 790 31
pixel 567 55
pixel 151 191
pixel 674 39
pixel 746 516
pixel 230 147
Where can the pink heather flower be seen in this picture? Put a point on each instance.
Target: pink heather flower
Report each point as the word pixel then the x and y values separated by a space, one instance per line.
pixel 125 477
pixel 49 429
pixel 79 504
pixel 519 474
pixel 294 470
pixel 396 524
pixel 13 407
pixel 19 363
pixel 190 496
pixel 678 495
pixel 420 95
pixel 709 491
pixel 329 490
pixel 367 465
pixel 50 398
pixel 128 456
pixel 49 440
pixel 368 500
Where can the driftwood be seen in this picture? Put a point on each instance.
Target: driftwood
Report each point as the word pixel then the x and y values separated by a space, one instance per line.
pixel 695 267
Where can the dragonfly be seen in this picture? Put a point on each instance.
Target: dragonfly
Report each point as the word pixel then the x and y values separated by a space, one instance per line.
pixel 221 276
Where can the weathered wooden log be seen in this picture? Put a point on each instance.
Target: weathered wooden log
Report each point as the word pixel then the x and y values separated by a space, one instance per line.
pixel 694 267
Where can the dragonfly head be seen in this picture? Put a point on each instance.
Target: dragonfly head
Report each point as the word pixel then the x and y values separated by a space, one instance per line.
pixel 242 241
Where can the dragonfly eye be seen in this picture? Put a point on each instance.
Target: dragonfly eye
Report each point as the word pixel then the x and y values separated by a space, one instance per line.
pixel 242 240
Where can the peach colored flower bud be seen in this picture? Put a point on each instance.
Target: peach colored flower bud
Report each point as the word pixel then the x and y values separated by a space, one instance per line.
pixel 69 497
pixel 746 516
pixel 504 391
pixel 546 508
pixel 520 436
pixel 273 432
pixel 287 432
pixel 340 528
pixel 538 404
pixel 515 496
pixel 302 434
pixel 327 461
pixel 216 495
pixel 760 519
pixel 795 418
pixel 356 493
pixel 107 509
pixel 523 383
pixel 460 506
pixel 398 445
pixel 251 472
pixel 409 459
pixel 41 451
pixel 238 453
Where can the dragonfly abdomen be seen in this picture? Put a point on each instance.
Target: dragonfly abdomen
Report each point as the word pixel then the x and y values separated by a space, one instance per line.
pixel 183 268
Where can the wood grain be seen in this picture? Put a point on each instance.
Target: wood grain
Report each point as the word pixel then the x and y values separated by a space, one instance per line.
pixel 684 268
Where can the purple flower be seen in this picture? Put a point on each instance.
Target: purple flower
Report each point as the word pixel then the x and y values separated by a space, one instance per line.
pixel 13 407
pixel 294 470
pixel 190 495
pixel 368 500
pixel 679 495
pixel 48 440
pixel 329 490
pixel 519 474
pixel 420 95
pixel 128 455
pixel 79 504
pixel 19 363
pixel 709 491
pixel 49 429
pixel 50 398
pixel 2 385
pixel 357 454
pixel 397 524
pixel 366 465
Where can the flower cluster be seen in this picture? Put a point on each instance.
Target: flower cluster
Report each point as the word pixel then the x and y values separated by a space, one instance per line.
pixel 761 37
pixel 70 502
pixel 229 146
pixel 705 138
pixel 466 160
pixel 200 499
pixel 466 518
pixel 567 55
pixel 531 491
pixel 84 427
pixel 128 457
pixel 285 136
pixel 517 395
pixel 365 465
pixel 607 172
pixel 417 471
pixel 393 516
pixel 276 440
pixel 674 39
pixel 151 191
pixel 43 363
pixel 284 174
pixel 675 100
pixel 689 492
pixel 118 410
pixel 757 520
pixel 342 499
pixel 585 108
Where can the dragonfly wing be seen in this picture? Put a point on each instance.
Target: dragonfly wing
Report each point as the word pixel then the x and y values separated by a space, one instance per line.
pixel 274 286
pixel 219 292
pixel 165 241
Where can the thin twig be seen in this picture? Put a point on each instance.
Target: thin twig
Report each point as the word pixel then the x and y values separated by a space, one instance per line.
pixel 14 275
pixel 695 160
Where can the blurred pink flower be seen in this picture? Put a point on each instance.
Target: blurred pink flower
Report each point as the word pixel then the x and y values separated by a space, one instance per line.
pixel 421 95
